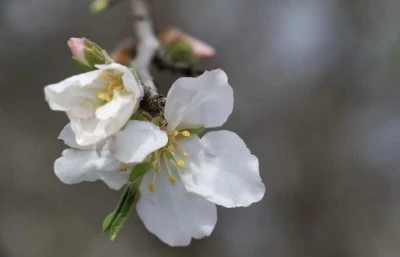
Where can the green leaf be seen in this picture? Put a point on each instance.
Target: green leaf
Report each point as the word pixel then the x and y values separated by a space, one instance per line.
pixel 108 220
pixel 114 222
pixel 138 171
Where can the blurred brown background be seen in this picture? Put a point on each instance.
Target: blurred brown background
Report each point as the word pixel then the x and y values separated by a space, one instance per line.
pixel 316 99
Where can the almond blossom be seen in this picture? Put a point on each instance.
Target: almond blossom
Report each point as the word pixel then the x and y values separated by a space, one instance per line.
pixel 82 163
pixel 98 103
pixel 189 174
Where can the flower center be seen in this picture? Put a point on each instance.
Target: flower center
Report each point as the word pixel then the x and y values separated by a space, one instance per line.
pixel 172 156
pixel 113 82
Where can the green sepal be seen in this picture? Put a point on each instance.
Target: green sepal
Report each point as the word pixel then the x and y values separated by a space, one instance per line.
pixel 81 66
pixel 116 219
pixel 157 120
pixel 138 171
pixel 94 56
pixel 182 52
pixel 137 116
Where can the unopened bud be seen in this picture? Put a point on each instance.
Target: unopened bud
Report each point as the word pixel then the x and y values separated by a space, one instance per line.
pixel 77 46
pixel 87 54
pixel 172 36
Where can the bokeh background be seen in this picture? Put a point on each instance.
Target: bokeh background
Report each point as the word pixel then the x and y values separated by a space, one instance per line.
pixel 317 99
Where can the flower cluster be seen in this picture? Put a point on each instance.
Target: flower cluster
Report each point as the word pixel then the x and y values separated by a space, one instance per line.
pixel 176 177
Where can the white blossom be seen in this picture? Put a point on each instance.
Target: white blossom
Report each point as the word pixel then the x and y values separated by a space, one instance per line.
pixel 98 103
pixel 82 163
pixel 190 175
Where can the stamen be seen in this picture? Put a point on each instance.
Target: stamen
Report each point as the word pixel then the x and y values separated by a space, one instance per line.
pixel 185 133
pixel 104 96
pixel 172 180
pixel 152 187
pixel 105 76
pixel 123 167
pixel 185 154
pixel 180 163
pixel 171 148
pixel 174 133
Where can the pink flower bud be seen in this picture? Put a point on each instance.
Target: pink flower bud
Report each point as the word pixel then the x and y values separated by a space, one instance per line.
pixel 200 48
pixel 77 46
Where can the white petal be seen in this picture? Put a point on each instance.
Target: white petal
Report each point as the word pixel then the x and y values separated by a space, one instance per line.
pixel 222 169
pixel 119 104
pixel 172 214
pixel 68 136
pixel 75 166
pixel 72 94
pixel 109 119
pixel 205 101
pixel 137 140
pixel 131 85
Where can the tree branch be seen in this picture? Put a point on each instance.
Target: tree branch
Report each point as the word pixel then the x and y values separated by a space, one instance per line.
pixel 147 46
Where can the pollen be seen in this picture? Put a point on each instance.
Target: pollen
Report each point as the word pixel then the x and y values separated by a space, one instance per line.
pixel 152 187
pixel 185 133
pixel 180 163
pixel 104 96
pixel 123 167
pixel 172 180
pixel 115 84
pixel 185 154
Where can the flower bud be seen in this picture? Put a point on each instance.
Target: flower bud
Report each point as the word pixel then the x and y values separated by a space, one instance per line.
pixel 87 54
pixel 172 37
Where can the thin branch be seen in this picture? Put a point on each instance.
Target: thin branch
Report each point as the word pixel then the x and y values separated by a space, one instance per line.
pixel 147 42
pixel 147 46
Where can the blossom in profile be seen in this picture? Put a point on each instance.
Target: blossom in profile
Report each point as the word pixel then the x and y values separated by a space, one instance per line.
pixel 189 175
pixel 98 103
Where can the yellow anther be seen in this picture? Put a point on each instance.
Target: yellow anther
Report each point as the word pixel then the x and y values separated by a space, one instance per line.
pixel 116 84
pixel 185 133
pixel 174 133
pixel 152 187
pixel 185 154
pixel 180 163
pixel 172 180
pixel 104 96
pixel 123 167
pixel 105 76
pixel 171 148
